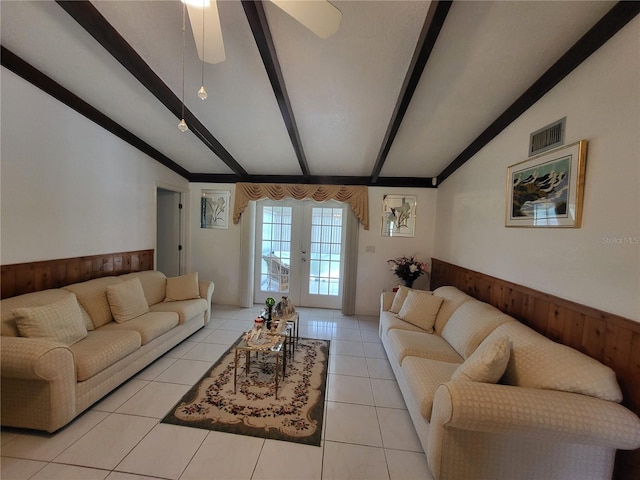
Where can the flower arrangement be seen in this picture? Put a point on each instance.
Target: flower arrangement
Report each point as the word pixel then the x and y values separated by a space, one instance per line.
pixel 407 269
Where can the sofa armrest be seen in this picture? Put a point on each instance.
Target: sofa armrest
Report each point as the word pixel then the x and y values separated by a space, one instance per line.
pixel 386 300
pixel 547 414
pixel 206 292
pixel 38 383
pixel 35 359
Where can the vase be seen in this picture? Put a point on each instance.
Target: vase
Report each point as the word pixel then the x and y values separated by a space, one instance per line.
pixel 409 282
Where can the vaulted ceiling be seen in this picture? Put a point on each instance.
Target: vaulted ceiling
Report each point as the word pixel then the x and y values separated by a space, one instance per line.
pixel 403 94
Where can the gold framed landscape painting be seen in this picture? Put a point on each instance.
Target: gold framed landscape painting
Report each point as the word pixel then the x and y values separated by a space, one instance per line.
pixel 547 190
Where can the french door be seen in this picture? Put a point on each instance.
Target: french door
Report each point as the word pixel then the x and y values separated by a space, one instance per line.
pixel 300 252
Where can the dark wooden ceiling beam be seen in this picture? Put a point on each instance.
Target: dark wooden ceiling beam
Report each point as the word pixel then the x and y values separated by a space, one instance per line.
pixel 257 18
pixel 405 182
pixel 45 83
pixel 99 28
pixel 611 23
pixel 433 22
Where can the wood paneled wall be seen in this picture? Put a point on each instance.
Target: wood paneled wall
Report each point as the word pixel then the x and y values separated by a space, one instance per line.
pixel 610 339
pixel 22 278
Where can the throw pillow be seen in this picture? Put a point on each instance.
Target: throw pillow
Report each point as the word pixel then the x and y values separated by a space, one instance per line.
pixel 184 287
pixel 60 321
pixel 399 299
pixel 127 300
pixel 487 364
pixel 420 309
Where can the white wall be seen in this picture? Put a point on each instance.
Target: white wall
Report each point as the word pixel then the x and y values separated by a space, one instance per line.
pixel 70 188
pixel 216 253
pixel 374 274
pixel 598 264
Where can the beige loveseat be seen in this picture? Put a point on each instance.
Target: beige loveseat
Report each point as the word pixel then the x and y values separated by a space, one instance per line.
pixel 63 349
pixel 492 399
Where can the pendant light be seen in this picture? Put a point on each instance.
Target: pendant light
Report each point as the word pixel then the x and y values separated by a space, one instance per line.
pixel 202 93
pixel 182 126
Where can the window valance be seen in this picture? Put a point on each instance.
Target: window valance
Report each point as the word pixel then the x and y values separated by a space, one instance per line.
pixel 356 196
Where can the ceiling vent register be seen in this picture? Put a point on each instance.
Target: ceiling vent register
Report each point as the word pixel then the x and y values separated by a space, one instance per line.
pixel 547 138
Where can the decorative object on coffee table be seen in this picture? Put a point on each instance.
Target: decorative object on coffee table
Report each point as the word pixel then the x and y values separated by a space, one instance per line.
pixel 285 307
pixel 269 303
pixel 407 269
pixel 296 416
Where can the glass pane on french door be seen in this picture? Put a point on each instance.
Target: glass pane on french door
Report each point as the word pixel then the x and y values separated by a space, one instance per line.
pixel 325 254
pixel 275 249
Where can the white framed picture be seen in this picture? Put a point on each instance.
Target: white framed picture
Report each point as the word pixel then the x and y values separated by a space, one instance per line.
pixel 214 209
pixel 399 215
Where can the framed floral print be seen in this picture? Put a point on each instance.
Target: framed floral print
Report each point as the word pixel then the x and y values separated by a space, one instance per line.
pixel 547 190
pixel 214 209
pixel 398 215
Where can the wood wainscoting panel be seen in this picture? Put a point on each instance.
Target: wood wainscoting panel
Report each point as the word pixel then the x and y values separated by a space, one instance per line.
pixel 610 339
pixel 21 278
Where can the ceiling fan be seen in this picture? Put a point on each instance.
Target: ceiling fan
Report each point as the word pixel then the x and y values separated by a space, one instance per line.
pixel 319 16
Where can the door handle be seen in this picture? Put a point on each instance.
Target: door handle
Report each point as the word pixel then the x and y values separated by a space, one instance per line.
pixel 303 259
pixel 304 251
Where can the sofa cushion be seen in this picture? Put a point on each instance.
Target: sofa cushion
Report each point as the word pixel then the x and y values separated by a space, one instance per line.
pixel 92 295
pixel 183 287
pixel 154 284
pixel 34 299
pixel 60 321
pixel 423 377
pixel 470 324
pixel 398 299
pixel 389 321
pixel 404 343
pixel 453 298
pixel 127 300
pixel 149 325
pixel 186 309
pixel 101 349
pixel 420 309
pixel 538 362
pixel 487 363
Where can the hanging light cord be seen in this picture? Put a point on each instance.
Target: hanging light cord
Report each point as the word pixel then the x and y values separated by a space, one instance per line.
pixel 202 93
pixel 203 7
pixel 182 125
pixel 184 12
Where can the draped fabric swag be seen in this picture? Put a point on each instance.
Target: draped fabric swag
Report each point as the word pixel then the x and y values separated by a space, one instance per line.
pixel 356 196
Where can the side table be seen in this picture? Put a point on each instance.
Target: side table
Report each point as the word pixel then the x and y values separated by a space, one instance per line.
pixel 276 343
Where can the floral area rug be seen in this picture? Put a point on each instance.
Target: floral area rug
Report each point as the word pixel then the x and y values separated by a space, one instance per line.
pixel 295 416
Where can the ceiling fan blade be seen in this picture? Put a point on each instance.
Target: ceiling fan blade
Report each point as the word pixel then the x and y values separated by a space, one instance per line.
pixel 213 44
pixel 319 16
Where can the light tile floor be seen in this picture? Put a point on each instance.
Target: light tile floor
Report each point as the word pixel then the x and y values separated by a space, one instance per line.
pixel 367 430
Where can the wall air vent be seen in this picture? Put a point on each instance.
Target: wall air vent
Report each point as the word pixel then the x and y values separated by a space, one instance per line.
pixel 547 138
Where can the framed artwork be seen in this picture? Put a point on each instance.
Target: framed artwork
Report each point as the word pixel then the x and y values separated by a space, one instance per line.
pixel 214 209
pixel 398 215
pixel 547 190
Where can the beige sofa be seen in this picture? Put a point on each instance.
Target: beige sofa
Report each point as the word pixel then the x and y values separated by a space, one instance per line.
pixel 63 349
pixel 492 399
